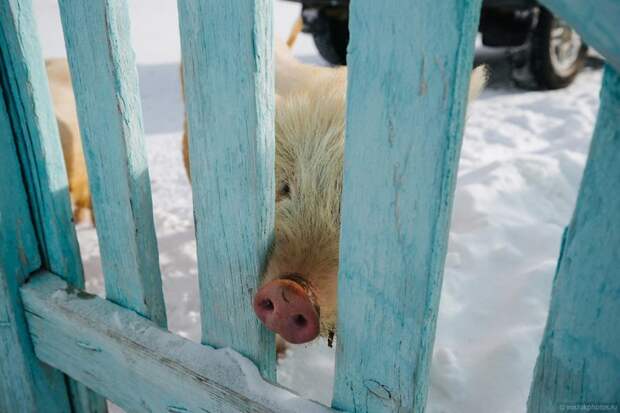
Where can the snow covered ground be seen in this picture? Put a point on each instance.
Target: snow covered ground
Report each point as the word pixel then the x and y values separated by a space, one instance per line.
pixel 521 164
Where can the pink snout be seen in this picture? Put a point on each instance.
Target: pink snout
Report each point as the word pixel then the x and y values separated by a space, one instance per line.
pixel 284 308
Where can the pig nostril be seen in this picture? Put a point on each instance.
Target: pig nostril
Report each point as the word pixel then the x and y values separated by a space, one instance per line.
pixel 266 305
pixel 300 321
pixel 285 307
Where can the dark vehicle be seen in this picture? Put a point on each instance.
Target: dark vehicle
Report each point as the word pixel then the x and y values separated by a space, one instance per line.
pixel 546 53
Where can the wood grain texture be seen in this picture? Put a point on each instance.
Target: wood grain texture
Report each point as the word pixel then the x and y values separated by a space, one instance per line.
pixel 579 360
pixel 409 69
pixel 36 134
pixel 139 366
pixel 26 385
pixel 105 83
pixel 596 21
pixel 230 104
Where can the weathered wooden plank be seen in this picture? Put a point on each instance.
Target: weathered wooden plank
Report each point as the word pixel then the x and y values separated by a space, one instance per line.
pixel 19 246
pixel 407 89
pixel 230 105
pixel 105 83
pixel 139 366
pixel 596 21
pixel 26 385
pixel 40 152
pixel 38 143
pixel 579 360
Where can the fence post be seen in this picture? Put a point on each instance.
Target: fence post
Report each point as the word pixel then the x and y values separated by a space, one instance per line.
pixel 36 135
pixel 409 70
pixel 579 359
pixel 230 106
pixel 26 384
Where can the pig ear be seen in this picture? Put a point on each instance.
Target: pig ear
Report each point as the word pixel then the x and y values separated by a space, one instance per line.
pixel 479 78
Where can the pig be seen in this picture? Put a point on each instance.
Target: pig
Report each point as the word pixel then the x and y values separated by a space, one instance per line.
pixel 66 117
pixel 297 298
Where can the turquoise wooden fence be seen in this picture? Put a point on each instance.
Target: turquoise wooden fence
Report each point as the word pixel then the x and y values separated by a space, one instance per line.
pixel 63 350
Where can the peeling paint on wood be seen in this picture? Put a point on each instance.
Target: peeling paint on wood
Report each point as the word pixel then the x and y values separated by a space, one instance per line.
pixel 105 83
pixel 579 360
pixel 230 106
pixel 408 83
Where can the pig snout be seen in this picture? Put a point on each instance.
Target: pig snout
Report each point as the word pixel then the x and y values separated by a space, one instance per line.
pixel 285 308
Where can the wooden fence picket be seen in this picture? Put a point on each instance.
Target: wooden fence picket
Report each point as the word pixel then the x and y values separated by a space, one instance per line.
pixel 36 133
pixel 579 359
pixel 230 107
pixel 407 90
pixel 105 83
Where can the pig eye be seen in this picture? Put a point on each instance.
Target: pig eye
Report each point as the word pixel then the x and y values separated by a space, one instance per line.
pixel 284 190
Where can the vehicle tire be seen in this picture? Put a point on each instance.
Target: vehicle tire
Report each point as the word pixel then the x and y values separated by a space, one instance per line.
pixel 557 52
pixel 332 40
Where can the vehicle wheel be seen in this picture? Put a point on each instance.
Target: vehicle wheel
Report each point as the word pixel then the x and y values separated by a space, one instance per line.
pixel 332 40
pixel 557 52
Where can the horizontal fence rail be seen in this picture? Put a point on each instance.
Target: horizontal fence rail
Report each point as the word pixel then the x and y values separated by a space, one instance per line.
pixel 36 133
pixel 143 368
pixel 230 109
pixel 408 83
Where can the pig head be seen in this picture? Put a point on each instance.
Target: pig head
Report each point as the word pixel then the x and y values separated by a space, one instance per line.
pixel 298 296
